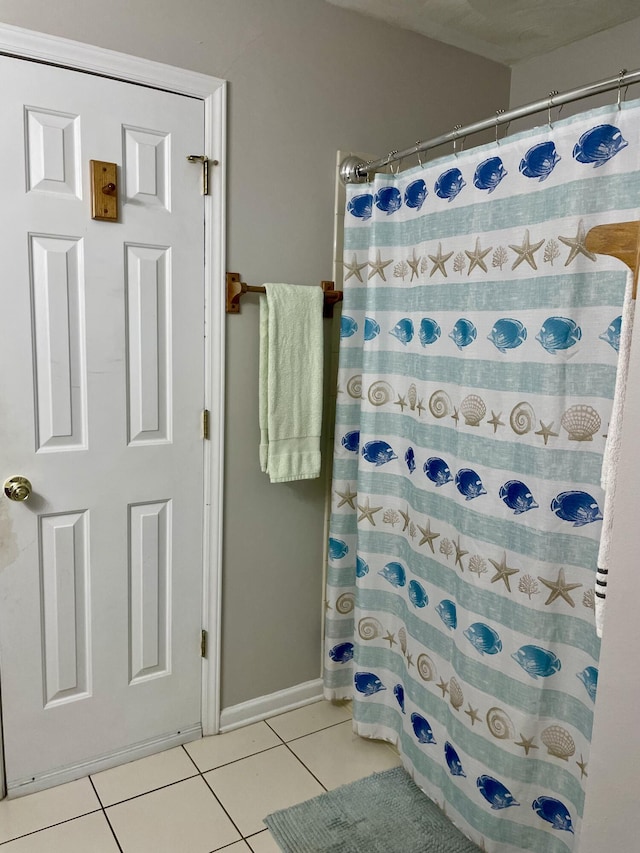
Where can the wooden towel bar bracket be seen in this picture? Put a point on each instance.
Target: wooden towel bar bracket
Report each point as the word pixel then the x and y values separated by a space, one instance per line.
pixel 620 240
pixel 235 289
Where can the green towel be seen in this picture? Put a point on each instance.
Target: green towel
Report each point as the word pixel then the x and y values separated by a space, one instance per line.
pixel 290 382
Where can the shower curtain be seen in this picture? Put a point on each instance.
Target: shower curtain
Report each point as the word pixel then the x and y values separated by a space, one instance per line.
pixel 479 341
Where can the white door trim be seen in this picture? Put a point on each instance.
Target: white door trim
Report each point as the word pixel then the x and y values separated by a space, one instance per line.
pixel 27 44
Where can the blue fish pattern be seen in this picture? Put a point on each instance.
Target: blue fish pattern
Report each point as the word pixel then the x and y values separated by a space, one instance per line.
pixel 463 333
pixel 579 507
pixel 495 793
pixel 342 653
pixel 612 333
pixel 599 145
pixel 388 199
pixel 537 662
pixel 417 594
pixel 489 174
pixel 378 452
pixel 422 729
pixel 540 161
pixel 368 683
pixel 589 677
pixel 410 459
pixel 483 639
pixel 453 761
pixel 517 496
pixel 507 334
pixel 429 331
pixel 348 326
pixel 361 206
pixel 469 484
pixel 394 573
pixel 437 471
pixel 558 333
pixel 371 328
pixel 415 194
pixel 351 440
pixel 450 184
pixel 554 812
pixel 447 611
pixel 362 567
pixel 398 692
pixel 337 548
pixel 403 330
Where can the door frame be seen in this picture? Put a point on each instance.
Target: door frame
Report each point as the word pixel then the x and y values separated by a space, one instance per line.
pixel 212 91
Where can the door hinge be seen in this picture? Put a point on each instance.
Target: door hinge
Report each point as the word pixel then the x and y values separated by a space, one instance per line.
pixel 205 423
pixel 203 644
pixel 201 158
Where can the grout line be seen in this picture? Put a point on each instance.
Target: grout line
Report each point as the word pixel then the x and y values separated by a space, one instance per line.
pixel 151 791
pixel 309 734
pixel 106 816
pixel 213 793
pixel 236 760
pixel 50 826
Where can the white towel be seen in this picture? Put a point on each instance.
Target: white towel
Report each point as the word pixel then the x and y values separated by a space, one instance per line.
pixel 610 460
pixel 290 384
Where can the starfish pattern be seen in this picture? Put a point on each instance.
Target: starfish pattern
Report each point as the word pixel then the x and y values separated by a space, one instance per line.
pixel 525 252
pixel 546 431
pixel 455 416
pixel 354 268
pixel 327 606
pixel 577 246
pixel 348 497
pixel 406 518
pixel 559 588
pixel 378 266
pixel 400 402
pixel 413 265
pixel 526 743
pixel 582 764
pixel 459 554
pixel 495 421
pixel 367 512
pixel 444 686
pixel 409 660
pixel 420 407
pixel 503 572
pixel 477 257
pixel 472 713
pixel 427 535
pixel 439 261
pixel 391 639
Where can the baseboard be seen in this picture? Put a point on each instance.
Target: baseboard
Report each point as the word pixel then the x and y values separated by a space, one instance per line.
pixel 262 707
pixel 21 788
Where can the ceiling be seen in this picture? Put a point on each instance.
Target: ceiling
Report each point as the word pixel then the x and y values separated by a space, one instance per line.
pixel 507 31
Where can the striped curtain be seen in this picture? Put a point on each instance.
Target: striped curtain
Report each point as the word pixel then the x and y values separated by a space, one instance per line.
pixel 477 368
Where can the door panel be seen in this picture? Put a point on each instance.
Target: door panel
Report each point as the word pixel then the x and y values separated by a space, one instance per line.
pixel 101 390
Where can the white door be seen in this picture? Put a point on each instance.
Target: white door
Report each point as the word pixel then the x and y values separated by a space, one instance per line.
pixel 101 392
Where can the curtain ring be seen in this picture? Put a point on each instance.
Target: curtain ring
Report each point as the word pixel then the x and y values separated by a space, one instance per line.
pixel 390 156
pixel 456 128
pixel 399 161
pixel 498 114
pixel 621 74
pixel 418 143
pixel 552 95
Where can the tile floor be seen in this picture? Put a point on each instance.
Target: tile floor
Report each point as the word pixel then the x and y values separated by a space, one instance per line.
pixel 209 795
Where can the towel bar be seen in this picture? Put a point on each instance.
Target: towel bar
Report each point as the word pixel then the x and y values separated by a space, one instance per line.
pixel 621 240
pixel 235 289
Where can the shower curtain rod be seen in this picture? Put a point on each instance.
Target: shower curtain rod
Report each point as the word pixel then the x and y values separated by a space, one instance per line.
pixel 354 171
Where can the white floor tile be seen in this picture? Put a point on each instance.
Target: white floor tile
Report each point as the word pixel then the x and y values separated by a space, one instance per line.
pixel 254 787
pixel 146 774
pixel 239 847
pixel 263 842
pixel 182 817
pixel 89 833
pixel 37 811
pixel 338 756
pixel 311 718
pixel 214 751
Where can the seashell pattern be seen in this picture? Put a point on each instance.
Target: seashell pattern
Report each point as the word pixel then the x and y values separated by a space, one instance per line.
pixel 369 628
pixel 412 396
pixel 499 724
pixel 345 603
pixel 379 393
pixel 559 742
pixel 439 404
pixel 473 409
pixel 354 386
pixel 456 696
pixel 581 422
pixel 426 668
pixel 522 418
pixel 402 639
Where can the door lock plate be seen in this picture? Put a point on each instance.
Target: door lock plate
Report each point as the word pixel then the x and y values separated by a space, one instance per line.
pixel 104 190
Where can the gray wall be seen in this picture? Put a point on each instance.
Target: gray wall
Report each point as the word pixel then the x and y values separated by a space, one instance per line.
pixel 306 78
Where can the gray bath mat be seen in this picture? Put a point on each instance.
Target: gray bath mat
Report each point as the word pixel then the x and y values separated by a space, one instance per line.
pixel 383 813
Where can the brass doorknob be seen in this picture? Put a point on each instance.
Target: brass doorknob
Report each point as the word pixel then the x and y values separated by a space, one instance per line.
pixel 17 488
